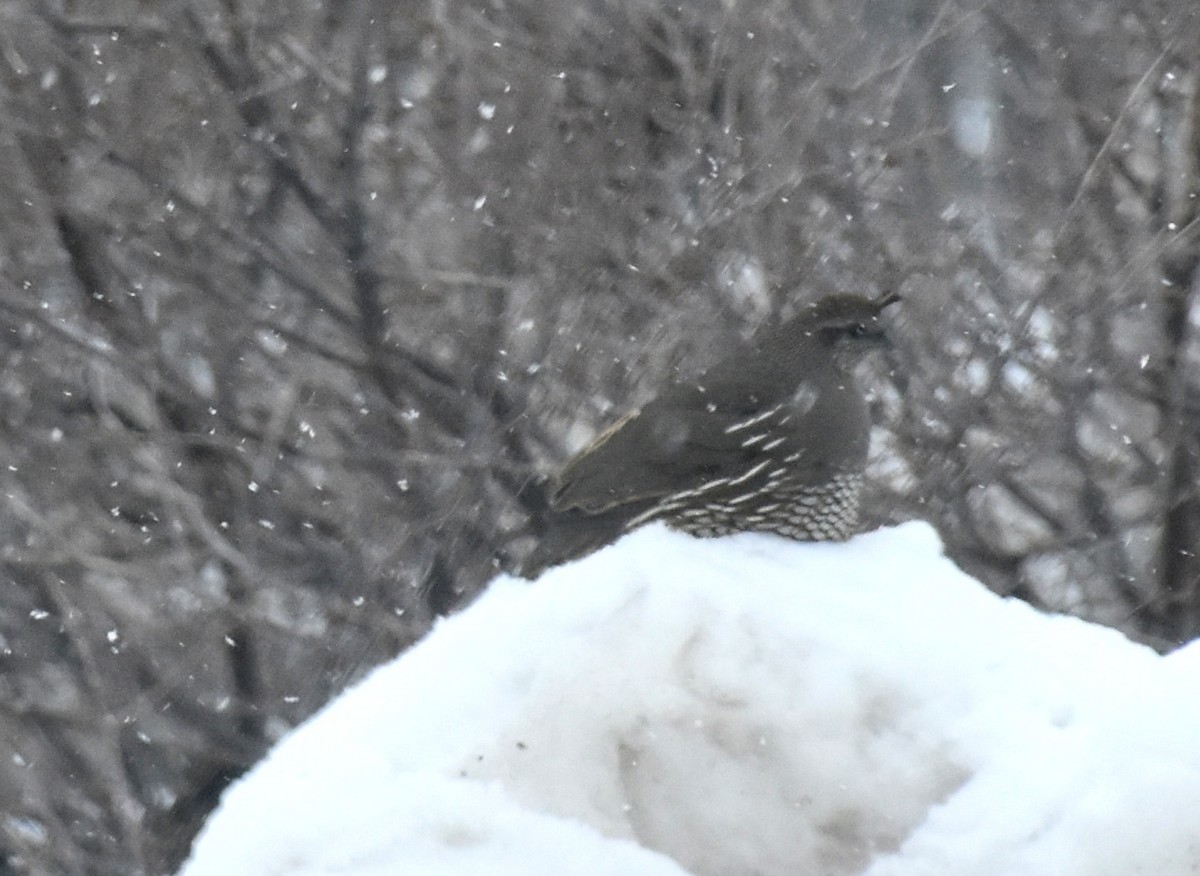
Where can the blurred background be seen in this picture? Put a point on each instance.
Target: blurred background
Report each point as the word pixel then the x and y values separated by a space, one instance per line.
pixel 300 302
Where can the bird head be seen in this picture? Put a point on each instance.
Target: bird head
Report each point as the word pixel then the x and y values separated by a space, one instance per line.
pixel 841 327
pixel 849 324
pixel 852 317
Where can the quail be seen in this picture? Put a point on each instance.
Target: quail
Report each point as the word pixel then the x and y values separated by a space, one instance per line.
pixel 771 438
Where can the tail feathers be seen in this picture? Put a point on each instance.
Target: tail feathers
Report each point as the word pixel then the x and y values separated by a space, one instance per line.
pixel 571 534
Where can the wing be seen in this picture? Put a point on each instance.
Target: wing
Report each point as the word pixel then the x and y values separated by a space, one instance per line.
pixel 679 440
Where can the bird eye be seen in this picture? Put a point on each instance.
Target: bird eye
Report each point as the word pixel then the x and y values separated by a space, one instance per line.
pixel 858 330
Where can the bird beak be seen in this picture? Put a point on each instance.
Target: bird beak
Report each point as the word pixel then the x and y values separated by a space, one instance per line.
pixel 880 336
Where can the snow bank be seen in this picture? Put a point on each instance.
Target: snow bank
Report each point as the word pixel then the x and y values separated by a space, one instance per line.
pixel 736 706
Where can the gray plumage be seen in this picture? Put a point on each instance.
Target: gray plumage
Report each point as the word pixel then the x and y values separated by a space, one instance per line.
pixel 771 438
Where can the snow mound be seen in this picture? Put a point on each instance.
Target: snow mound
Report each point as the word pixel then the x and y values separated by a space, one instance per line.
pixel 744 705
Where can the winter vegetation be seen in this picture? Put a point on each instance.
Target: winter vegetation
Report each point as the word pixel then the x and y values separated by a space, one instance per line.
pixel 301 302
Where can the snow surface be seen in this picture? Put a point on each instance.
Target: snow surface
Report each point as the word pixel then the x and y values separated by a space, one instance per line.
pixel 739 706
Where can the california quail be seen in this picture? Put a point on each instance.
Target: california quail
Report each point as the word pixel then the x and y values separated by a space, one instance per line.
pixel 772 438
